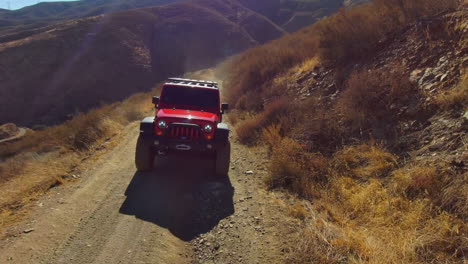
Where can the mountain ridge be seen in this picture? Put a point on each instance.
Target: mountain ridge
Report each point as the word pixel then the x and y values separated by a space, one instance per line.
pixel 79 64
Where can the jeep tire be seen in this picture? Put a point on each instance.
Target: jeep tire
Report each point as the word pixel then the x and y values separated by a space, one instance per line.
pixel 223 159
pixel 144 156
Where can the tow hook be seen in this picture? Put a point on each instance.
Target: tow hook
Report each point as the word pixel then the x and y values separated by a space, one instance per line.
pixel 183 147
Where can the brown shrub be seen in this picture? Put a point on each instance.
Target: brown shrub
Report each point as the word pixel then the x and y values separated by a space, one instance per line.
pixel 363 162
pixel 454 195
pixel 456 97
pixel 296 170
pixel 349 34
pixel 248 75
pixel 322 128
pixel 417 180
pixel 249 130
pixel 354 33
pixel 373 100
pixel 298 210
pixel 317 245
pixel 272 135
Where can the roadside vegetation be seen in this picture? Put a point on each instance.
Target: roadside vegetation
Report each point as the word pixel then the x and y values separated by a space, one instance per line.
pixel 373 202
pixel 46 158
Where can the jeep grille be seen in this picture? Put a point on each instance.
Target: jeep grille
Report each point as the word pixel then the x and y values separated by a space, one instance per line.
pixel 185 132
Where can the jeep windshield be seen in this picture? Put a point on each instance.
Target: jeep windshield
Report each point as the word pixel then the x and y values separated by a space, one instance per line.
pixel 184 97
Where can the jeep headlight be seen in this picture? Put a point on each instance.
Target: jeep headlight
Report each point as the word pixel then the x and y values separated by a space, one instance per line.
pixel 208 128
pixel 162 124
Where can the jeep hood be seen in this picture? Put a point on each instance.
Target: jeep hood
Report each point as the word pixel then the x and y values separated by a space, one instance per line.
pixel 187 114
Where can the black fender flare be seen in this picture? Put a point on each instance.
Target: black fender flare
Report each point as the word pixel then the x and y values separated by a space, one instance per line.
pixel 147 126
pixel 221 136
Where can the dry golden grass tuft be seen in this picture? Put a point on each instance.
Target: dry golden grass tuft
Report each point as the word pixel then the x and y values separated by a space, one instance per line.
pixel 298 210
pixel 294 169
pixel 364 162
pixel 250 130
pixel 455 97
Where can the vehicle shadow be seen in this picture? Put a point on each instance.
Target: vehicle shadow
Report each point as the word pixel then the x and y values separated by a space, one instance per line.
pixel 181 194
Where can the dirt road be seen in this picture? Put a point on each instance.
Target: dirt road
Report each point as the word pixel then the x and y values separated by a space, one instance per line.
pixel 180 213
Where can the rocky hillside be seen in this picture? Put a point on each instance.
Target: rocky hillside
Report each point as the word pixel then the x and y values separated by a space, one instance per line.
pixel 424 121
pixel 367 126
pixel 61 70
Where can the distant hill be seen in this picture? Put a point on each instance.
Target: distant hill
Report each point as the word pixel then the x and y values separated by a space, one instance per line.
pixel 51 73
pixel 48 12
pixel 289 14
pixel 297 14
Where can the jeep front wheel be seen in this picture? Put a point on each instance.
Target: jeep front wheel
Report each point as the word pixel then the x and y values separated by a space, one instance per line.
pixel 223 159
pixel 144 156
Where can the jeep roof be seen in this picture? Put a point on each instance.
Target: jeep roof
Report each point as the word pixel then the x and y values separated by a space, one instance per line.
pixel 192 83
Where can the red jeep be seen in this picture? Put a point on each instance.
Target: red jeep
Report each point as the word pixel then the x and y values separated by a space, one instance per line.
pixel 188 121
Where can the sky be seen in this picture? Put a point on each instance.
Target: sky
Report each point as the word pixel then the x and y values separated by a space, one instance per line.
pixel 16 4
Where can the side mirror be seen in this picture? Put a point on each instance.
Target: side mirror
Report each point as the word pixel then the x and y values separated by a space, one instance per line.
pixel 155 101
pixel 224 108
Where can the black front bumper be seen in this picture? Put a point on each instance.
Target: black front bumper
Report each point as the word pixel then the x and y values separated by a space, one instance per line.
pixel 163 145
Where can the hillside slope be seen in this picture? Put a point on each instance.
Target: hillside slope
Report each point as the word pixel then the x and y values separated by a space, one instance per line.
pixel 44 13
pixel 292 15
pixel 366 119
pixel 79 64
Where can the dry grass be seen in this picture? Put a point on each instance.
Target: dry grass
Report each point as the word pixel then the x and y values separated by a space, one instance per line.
pixel 364 162
pixel 294 169
pixel 376 206
pixel 456 97
pixel 249 75
pixel 249 130
pixel 347 36
pixel 377 213
pixel 298 210
pixel 45 159
pixel 353 34
pixel 373 100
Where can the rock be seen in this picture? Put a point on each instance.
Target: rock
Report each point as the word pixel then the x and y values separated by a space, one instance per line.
pixel 436 146
pixel 443 78
pixel 427 77
pixel 416 75
pixel 249 172
pixel 28 230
